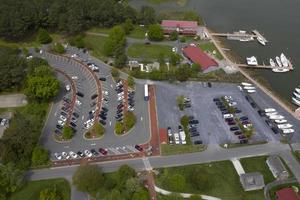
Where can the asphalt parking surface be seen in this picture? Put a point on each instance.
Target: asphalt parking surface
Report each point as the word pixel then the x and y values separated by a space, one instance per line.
pixel 212 127
pixel 86 85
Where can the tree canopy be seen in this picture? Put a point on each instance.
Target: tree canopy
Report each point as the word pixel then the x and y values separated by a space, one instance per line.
pixel 40 156
pixel 155 32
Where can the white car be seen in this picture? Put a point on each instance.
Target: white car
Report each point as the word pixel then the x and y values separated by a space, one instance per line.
pixel 176 138
pixel 285 126
pixel 183 142
pixel 280 121
pixel 88 153
pixel 119 84
pixel 130 108
pixel 105 92
pixel 287 131
pixel 74 77
pixel 121 94
pixel 248 125
pixel 120 98
pixel 271 113
pixel 276 117
pixel 232 103
pixel 228 97
pixel 74 55
pixel 57 156
pixel 63 118
pixel 65 155
pixel 78 102
pixel 60 122
pixel 226 116
pixel 73 155
pixel 68 88
pixel 174 49
pixel 267 110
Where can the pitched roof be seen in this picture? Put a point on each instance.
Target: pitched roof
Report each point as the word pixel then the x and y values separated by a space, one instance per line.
pixel 287 194
pixel 196 55
pixel 181 24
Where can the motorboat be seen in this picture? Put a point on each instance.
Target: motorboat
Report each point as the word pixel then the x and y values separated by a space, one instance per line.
pixel 284 60
pixel 296 101
pixel 271 113
pixel 280 70
pixel 251 91
pixel 252 61
pixel 287 131
pixel 249 88
pixel 297 90
pixel 280 121
pixel 246 39
pixel 278 61
pixel 267 110
pixel 274 117
pixel 272 63
pixel 297 95
pixel 261 40
pixel 285 126
pixel 246 84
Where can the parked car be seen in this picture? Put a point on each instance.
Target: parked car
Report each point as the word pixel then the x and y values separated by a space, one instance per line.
pixel 138 147
pixel 169 131
pixel 73 124
pixel 80 94
pixel 59 127
pixel 194 121
pixel 88 153
pixel 198 142
pixel 64 114
pixel 216 99
pixel 102 79
pixel 104 109
pixel 244 141
pixel 94 152
pixel 80 154
pixel 103 151
pixel 94 96
pixel 58 156
pixel 58 132
pixel 234 128
pixel 231 123
pixel 244 118
pixel 101 121
pixel 76 115
pixel 195 134
pixel 242 136
pixel 237 133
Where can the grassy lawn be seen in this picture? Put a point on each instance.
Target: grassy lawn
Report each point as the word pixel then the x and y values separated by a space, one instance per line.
pixel 148 52
pixel 138 32
pixel 167 149
pixel 210 47
pixel 274 189
pixel 222 181
pixel 297 155
pixel 258 164
pixel 32 189
pixel 96 44
pixel 235 145
pixel 178 2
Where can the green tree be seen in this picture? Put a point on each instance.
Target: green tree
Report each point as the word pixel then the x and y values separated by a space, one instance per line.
pixel 115 73
pixel 11 179
pixel 124 173
pixel 147 15
pixel 133 185
pixel 77 41
pixel 183 39
pixel 175 59
pixel 88 178
pixel 183 73
pixel 40 156
pixel 128 26
pixel 113 195
pixel 43 36
pixel 50 194
pixel 115 40
pixel 98 129
pixel 155 32
pixel 129 120
pixel 195 197
pixel 119 129
pixel 174 35
pixel 58 48
pixel 67 132
pixel 184 121
pixel 130 82
pixel 141 195
pixel 121 59
pixel 180 102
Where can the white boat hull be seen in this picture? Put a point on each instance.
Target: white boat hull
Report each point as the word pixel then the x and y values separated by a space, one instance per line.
pixel 284 60
pixel 246 84
pixel 280 121
pixel 249 88
pixel 271 113
pixel 285 126
pixel 280 70
pixel 267 110
pixel 295 101
pixel 296 95
pixel 272 63
pixel 251 91
pixel 286 131
pixel 297 90
pixel 276 117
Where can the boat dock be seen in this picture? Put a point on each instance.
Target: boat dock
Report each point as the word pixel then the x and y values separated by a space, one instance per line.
pixel 242 36
pixel 260 35
pixel 263 66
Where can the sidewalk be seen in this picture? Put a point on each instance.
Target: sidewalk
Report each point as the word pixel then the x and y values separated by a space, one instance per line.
pixel 12 100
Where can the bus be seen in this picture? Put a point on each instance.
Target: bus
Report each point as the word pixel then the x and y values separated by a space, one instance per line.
pixel 146 97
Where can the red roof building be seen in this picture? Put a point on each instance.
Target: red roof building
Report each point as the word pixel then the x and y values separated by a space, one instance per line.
pixel 197 56
pixel 287 194
pixel 163 136
pixel 182 27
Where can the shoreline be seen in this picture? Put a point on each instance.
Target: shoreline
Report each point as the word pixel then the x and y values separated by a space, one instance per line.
pixel 253 77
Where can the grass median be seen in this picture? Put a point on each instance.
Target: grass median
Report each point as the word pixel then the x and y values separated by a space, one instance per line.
pixel 149 52
pixel 167 149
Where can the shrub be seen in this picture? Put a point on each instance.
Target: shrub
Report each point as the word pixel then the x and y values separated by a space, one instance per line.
pixel 98 129
pixel 43 36
pixel 129 120
pixel 58 48
pixel 115 73
pixel 40 156
pixel 184 121
pixel 180 102
pixel 119 129
pixel 155 32
pixel 67 132
pixel 174 35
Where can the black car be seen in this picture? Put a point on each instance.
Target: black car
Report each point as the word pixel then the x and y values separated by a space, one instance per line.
pixel 119 90
pixel 94 152
pixel 243 141
pixel 234 128
pixel 104 109
pixel 209 84
pixel 119 111
pixel 102 122
pixel 64 114
pixel 80 94
pixel 59 127
pixel 192 129
pixel 73 124
pixel 103 117
pixel 58 132
pixel 102 79
pixel 237 133
pixel 216 99
pixel 244 118
pixel 253 105
pixel 261 113
pixel 275 130
pixel 218 103
pixel 138 147
pixel 194 121
pixel 80 154
pixel 223 109
pixel 237 111
pixel 119 116
pixel 66 100
pixel 120 119
pixel 195 134
pixel 225 112
pixel 198 142
pixel 180 128
pixel 65 109
pixel 75 114
pixel 94 96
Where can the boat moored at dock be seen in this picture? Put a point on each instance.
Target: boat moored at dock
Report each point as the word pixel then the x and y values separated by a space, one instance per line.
pixel 252 61
pixel 296 101
pixel 284 60
pixel 287 131
pixel 278 61
pixel 272 63
pixel 246 84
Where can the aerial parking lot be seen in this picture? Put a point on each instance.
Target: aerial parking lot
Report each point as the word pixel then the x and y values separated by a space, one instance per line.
pixel 212 126
pixel 77 105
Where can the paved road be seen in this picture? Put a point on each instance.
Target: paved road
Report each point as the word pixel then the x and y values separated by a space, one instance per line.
pixel 12 100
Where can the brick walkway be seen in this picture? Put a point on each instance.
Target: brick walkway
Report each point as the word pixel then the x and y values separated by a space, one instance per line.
pixel 151 185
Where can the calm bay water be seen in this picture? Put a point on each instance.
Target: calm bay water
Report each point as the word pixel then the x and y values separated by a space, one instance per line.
pixel 277 20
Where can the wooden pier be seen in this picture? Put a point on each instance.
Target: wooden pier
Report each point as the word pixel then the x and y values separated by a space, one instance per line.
pixel 236 34
pixel 242 36
pixel 290 67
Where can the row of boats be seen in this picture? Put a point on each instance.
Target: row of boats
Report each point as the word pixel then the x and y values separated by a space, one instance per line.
pixel 281 64
pixel 280 121
pixel 296 97
pixel 244 37
pixel 248 87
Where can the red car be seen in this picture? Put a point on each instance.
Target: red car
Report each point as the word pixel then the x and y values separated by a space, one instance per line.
pixel 103 151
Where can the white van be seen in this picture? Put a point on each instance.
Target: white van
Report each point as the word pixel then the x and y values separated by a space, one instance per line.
pixel 226 116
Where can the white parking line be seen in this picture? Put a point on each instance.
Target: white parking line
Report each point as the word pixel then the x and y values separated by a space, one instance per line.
pixel 93 144
pixel 66 147
pixel 109 123
pixel 141 119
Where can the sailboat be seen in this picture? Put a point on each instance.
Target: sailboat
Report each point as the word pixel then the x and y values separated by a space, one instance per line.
pixel 284 60
pixel 297 90
pixel 278 61
pixel 296 101
pixel 297 95
pixel 272 63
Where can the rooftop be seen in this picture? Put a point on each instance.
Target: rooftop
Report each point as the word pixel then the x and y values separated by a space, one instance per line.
pixel 196 55
pixel 252 181
pixel 287 194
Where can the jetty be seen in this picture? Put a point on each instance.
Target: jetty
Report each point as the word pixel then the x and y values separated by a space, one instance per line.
pixel 263 66
pixel 242 36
